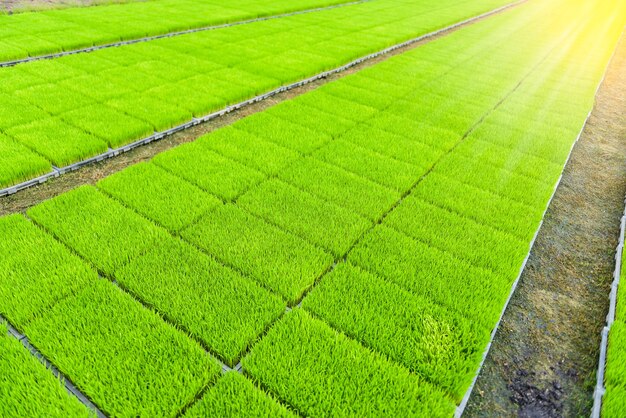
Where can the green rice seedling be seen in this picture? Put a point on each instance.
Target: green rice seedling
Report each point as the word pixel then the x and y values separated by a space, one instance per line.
pixel 18 80
pixel 278 260
pixel 442 347
pixel 35 270
pixel 393 145
pixel 525 190
pixel 539 141
pixel 61 143
pixel 436 137
pixel 97 227
pixel 615 373
pixel 254 83
pixel 208 170
pixel 107 123
pixel 343 108
pixel 120 354
pixel 93 65
pixel 365 79
pixel 509 159
pixel 54 100
pixel 137 79
pixel 479 244
pixel 614 402
pixel 321 223
pixel 9 51
pixel 321 372
pixel 282 132
pixel 482 206
pixel 162 115
pixel 389 172
pixel 19 163
pixel 158 195
pixel 319 121
pixel 98 88
pixel 359 94
pixel 341 187
pixel 449 281
pixel 27 389
pixel 226 311
pixel 193 99
pixel 249 149
pixel 52 74
pixel 14 111
pixel 234 395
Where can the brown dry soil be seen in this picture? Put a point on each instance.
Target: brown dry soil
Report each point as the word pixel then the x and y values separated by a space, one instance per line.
pixel 90 174
pixel 545 355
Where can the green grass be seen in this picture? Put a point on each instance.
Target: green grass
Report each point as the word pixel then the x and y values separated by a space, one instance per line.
pixel 27 389
pixel 235 396
pixel 19 163
pixel 224 178
pixel 97 227
pixel 217 305
pixel 315 220
pixel 121 355
pixel 321 372
pixel 278 260
pixel 440 346
pixel 35 271
pixel 158 195
pixel 341 187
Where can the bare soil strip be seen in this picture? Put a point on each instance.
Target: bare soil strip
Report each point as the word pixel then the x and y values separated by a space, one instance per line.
pixel 90 174
pixel 544 357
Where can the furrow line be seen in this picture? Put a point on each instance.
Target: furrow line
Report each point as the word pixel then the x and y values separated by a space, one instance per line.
pixel 57 171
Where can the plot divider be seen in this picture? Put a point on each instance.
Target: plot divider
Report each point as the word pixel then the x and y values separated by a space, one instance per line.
pixel 195 121
pixel 69 386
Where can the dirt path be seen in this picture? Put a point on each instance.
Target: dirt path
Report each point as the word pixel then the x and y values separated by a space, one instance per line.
pixel 545 354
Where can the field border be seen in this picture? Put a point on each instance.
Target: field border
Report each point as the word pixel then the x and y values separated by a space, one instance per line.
pixel 57 171
pixel 461 408
pixel 69 386
pixel 176 33
pixel 599 390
